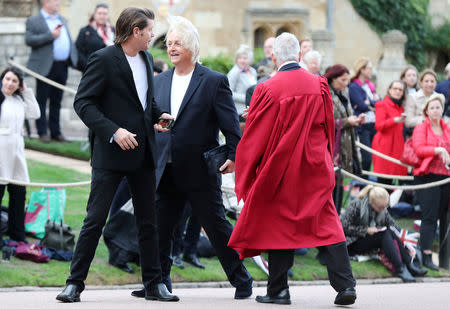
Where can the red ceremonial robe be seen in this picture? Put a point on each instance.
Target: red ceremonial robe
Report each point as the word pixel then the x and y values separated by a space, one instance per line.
pixel 284 169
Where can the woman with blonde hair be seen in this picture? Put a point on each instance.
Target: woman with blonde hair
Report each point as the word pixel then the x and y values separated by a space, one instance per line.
pixel 431 143
pixel 367 223
pixel 409 76
pixel 363 98
pixel 416 101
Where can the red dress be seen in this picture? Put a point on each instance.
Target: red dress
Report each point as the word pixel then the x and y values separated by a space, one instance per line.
pixel 284 168
pixel 389 138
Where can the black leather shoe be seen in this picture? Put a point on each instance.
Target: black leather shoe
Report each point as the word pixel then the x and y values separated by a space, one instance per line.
pixel 282 298
pixel 70 294
pixel 345 297
pixel 138 293
pixel 416 271
pixel 160 292
pixel 193 260
pixel 125 267
pixel 405 275
pixel 60 138
pixel 428 262
pixel 244 291
pixel 178 262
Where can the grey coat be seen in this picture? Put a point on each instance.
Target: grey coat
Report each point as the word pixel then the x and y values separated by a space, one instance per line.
pixel 40 39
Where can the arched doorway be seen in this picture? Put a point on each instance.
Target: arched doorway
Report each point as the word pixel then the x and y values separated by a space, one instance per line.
pixel 259 37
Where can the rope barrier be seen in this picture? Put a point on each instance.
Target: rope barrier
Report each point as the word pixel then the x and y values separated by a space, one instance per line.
pixel 40 77
pixel 381 155
pixel 399 177
pixel 47 185
pixel 406 187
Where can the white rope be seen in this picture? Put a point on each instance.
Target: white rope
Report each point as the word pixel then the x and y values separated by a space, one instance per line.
pixel 381 155
pixel 47 185
pixel 399 177
pixel 40 77
pixel 413 187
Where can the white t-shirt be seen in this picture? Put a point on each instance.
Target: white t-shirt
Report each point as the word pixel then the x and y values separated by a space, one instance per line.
pixel 139 70
pixel 180 85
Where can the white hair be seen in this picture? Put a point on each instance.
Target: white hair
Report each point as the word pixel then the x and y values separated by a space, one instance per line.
pixel 244 50
pixel 190 38
pixel 312 54
pixel 447 70
pixel 286 48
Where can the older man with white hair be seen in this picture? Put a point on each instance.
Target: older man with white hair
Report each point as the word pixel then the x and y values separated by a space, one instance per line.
pixel 201 102
pixel 284 174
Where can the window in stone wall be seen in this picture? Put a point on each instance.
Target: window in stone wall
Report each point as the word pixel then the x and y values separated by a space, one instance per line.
pixel 281 30
pixel 259 37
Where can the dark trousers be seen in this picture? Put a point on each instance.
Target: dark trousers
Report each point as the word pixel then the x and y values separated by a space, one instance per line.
pixel 208 207
pixel 44 91
pixel 335 257
pixel 434 205
pixel 388 242
pixel 103 187
pixel 366 133
pixel 16 210
pixel 186 234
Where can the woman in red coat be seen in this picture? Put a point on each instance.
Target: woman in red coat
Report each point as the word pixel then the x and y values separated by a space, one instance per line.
pixel 389 137
pixel 431 143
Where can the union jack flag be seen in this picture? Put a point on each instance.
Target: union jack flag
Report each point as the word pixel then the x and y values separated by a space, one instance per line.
pixel 406 237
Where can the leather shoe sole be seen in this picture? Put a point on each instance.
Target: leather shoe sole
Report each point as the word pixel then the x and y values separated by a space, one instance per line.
pixel 345 298
pixel 66 299
pixel 173 298
pixel 270 300
pixel 138 293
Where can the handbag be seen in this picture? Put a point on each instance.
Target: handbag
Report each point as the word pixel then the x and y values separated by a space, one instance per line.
pixel 59 236
pixel 409 156
pixel 215 158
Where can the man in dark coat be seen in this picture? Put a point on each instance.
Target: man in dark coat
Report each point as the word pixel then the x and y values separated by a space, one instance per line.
pixel 201 102
pixel 115 100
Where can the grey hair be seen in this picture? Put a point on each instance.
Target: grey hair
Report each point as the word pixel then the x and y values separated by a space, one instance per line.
pixel 244 50
pixel 286 48
pixel 190 38
pixel 312 54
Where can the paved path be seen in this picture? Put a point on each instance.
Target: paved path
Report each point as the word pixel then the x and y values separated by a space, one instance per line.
pixel 74 164
pixel 398 296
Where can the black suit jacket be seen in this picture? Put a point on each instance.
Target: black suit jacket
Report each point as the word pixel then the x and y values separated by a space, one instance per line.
pixel 206 107
pixel 107 100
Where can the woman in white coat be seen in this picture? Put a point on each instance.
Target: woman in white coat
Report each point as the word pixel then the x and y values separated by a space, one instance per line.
pixel 16 103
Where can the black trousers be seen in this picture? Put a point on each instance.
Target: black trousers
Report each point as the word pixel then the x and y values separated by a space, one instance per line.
pixel 186 242
pixel 44 91
pixel 208 207
pixel 335 256
pixel 366 134
pixel 434 205
pixel 16 210
pixel 103 187
pixel 388 242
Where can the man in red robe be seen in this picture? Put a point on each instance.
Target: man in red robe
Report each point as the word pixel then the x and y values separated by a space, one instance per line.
pixel 284 174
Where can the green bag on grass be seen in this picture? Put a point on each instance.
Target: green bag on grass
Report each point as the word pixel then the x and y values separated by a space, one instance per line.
pixel 47 204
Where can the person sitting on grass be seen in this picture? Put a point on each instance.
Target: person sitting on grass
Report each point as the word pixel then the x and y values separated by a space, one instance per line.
pixel 367 223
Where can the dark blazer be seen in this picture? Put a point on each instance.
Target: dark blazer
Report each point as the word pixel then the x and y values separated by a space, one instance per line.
pixel 88 41
pixel 40 39
pixel 207 107
pixel 107 100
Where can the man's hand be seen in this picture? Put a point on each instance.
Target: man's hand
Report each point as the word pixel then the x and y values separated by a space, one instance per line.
pixel 227 167
pixel 158 127
pixel 56 32
pixel 125 139
pixel 245 112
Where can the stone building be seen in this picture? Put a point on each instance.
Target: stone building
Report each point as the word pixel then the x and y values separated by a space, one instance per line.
pixel 337 31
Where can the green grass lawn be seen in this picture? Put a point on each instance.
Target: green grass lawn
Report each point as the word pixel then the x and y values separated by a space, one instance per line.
pixel 20 273
pixel 74 149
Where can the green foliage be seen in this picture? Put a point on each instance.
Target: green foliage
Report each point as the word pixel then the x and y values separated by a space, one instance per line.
pixel 221 63
pixel 409 16
pixel 258 54
pixel 440 38
pixel 158 53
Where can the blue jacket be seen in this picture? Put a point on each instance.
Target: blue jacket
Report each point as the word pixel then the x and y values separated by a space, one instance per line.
pixel 357 98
